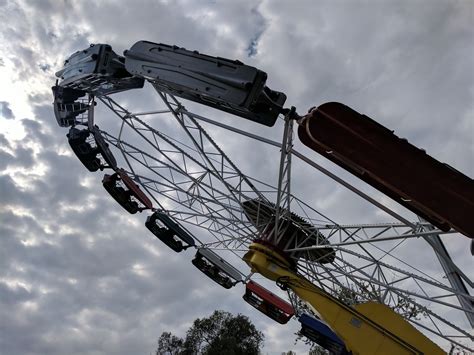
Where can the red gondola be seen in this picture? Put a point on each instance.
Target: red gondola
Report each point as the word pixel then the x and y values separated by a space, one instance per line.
pixel 268 303
pixel 433 190
pixel 129 196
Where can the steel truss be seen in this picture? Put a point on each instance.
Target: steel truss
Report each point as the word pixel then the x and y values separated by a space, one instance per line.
pixel 197 184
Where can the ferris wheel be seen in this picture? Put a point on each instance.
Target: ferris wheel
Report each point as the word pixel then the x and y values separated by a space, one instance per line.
pixel 354 287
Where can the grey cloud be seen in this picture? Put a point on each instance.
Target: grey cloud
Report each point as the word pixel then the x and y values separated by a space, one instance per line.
pixel 44 67
pixel 5 110
pixel 252 49
pixel 23 158
pixel 41 98
pixel 35 132
pixel 6 158
pixel 4 142
pixel 29 39
pixel 13 295
pixel 261 23
pixel 11 192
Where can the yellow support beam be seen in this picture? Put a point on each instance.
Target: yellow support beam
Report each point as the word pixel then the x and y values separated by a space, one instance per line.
pixel 366 329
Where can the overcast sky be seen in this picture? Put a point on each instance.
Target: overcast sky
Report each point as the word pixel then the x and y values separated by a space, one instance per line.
pixel 80 276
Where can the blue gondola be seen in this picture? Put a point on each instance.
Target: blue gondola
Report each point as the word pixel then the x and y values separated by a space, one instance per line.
pixel 318 332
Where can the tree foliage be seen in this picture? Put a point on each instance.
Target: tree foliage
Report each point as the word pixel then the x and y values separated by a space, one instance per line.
pixel 169 344
pixel 364 291
pixel 315 349
pixel 221 333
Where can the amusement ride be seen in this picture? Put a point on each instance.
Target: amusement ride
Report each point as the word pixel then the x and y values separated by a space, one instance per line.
pixel 350 286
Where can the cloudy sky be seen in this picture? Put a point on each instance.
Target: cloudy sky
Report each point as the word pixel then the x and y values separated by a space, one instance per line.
pixel 79 275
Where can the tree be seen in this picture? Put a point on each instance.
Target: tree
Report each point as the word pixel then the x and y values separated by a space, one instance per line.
pixel 169 344
pixel 315 349
pixel 221 333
